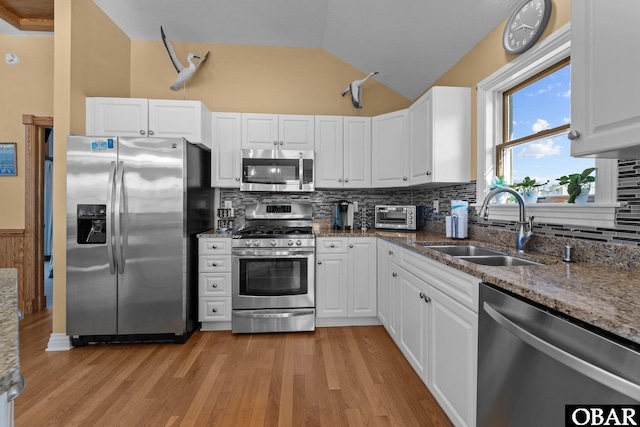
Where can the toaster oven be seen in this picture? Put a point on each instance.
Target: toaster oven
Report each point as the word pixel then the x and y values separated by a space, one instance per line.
pixel 404 217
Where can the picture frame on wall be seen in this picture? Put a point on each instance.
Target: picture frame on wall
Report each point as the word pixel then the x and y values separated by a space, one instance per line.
pixel 8 159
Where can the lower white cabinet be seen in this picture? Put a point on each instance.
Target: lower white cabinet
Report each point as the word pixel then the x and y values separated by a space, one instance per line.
pixel 437 327
pixel 346 282
pixel 214 283
pixel 388 282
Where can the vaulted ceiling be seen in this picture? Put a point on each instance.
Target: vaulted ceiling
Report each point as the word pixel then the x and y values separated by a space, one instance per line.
pixel 411 43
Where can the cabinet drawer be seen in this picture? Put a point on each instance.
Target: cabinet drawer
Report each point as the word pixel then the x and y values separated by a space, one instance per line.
pixel 326 245
pixel 214 309
pixel 211 246
pixel 214 264
pixel 214 284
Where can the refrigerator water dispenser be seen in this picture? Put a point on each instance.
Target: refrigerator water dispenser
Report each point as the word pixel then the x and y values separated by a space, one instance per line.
pixel 92 224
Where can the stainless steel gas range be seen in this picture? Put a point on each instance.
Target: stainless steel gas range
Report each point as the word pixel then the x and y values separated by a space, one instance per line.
pixel 273 274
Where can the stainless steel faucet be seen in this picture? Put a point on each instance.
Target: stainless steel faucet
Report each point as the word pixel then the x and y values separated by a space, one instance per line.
pixel 524 236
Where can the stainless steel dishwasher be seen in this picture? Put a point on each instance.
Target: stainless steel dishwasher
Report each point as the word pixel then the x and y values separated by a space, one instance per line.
pixel 531 363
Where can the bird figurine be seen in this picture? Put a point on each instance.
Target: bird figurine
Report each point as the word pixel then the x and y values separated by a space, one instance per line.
pixel 356 90
pixel 184 73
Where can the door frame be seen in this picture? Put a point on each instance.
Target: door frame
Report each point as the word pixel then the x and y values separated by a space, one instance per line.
pixel 33 298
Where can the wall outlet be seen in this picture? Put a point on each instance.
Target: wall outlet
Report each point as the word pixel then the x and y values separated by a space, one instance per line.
pixel 436 205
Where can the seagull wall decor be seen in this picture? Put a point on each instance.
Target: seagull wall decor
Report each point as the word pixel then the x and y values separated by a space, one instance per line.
pixel 184 73
pixel 356 90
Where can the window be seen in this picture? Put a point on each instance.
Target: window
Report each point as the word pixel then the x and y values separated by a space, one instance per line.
pixel 536 119
pixel 512 150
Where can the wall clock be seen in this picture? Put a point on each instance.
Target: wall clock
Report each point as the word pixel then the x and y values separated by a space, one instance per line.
pixel 526 25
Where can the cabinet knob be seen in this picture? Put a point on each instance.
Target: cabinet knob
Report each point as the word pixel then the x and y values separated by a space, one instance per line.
pixel 281 142
pixel 394 274
pixel 573 135
pixel 422 295
pixel 275 142
pixel 339 179
pixel 404 178
pixel 214 264
pixel 214 285
pixel 320 262
pixel 351 245
pixel 390 252
pixel 427 299
pixel 151 132
pixel 214 246
pixel 332 245
pixel 142 132
pixel 346 180
pixel 428 173
pixel 214 310
pixel 237 178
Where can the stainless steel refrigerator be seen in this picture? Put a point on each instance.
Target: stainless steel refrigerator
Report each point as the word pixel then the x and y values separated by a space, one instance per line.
pixel 134 208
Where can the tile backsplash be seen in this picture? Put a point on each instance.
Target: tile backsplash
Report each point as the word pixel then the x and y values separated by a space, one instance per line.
pixel 626 230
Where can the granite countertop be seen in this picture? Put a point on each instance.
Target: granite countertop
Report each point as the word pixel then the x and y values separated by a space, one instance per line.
pixel 603 296
pixel 214 233
pixel 9 362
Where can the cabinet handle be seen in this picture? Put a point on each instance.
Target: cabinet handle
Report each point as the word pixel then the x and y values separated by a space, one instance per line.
pixel 214 285
pixel 394 274
pixel 332 245
pixel 404 178
pixel 151 132
pixel 214 310
pixel 351 245
pixel 142 132
pixel 214 264
pixel 339 179
pixel 573 135
pixel 319 262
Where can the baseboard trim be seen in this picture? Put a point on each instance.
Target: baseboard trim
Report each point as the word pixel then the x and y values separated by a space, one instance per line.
pixel 58 342
pixel 347 321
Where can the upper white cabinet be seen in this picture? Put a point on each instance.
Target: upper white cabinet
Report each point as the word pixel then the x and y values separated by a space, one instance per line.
pixel 390 150
pixel 273 131
pixel 605 111
pixel 135 117
pixel 342 152
pixel 226 131
pixel 440 136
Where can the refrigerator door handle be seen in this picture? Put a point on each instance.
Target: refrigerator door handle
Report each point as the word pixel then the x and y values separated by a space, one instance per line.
pixel 120 207
pixel 110 239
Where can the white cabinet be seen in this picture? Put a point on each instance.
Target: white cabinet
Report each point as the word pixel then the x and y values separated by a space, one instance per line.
pixel 226 131
pixel 389 150
pixel 346 285
pixel 440 136
pixel 605 111
pixel 135 117
pixel 214 283
pixel 342 152
pixel 388 286
pixel 272 131
pixel 437 329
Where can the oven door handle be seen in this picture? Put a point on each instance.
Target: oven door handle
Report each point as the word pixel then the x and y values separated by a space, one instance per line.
pixel 271 315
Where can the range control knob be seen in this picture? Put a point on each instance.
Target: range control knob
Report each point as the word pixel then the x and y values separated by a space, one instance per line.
pixel 298 242
pixel 273 243
pixel 290 243
pixel 247 243
pixel 256 243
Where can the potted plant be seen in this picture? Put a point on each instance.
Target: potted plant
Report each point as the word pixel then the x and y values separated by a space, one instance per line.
pixel 578 185
pixel 528 188
pixel 498 182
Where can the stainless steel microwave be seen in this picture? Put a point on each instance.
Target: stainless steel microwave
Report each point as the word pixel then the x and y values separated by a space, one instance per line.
pixel 277 170
pixel 403 217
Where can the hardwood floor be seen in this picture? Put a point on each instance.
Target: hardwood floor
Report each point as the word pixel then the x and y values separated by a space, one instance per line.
pixel 352 376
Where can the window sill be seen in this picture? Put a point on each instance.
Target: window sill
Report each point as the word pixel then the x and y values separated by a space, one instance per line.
pixel 600 215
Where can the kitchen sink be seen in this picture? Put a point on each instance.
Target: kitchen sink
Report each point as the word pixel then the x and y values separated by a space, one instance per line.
pixel 498 260
pixel 463 250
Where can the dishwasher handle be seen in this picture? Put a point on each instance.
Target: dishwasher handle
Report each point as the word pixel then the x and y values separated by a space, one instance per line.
pixel 594 372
